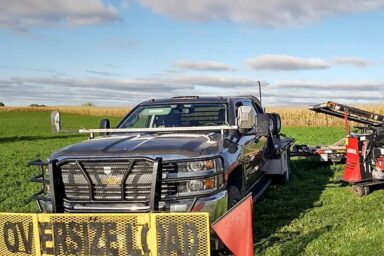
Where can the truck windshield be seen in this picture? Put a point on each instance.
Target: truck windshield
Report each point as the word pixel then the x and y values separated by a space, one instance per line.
pixel 177 115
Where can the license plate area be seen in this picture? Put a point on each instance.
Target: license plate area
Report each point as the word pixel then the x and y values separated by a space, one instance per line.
pixel 105 234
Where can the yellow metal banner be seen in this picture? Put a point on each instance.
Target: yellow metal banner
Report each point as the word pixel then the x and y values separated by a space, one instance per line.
pixel 105 234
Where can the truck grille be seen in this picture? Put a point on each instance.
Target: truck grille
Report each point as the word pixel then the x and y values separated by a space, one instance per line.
pixel 107 180
pixel 113 180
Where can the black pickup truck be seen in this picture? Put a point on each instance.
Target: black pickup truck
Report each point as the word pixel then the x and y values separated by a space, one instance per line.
pixel 175 155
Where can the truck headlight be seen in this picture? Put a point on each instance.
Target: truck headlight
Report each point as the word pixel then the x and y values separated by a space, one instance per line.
pixel 195 185
pixel 205 184
pixel 200 186
pixel 195 177
pixel 198 168
pixel 201 165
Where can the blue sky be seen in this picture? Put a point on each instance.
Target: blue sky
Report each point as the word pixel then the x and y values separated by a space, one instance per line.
pixel 118 53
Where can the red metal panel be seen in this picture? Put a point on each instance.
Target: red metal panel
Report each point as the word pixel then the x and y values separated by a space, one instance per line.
pixel 352 172
pixel 346 123
pixel 380 163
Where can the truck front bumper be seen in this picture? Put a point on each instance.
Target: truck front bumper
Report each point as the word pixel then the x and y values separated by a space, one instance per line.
pixel 215 205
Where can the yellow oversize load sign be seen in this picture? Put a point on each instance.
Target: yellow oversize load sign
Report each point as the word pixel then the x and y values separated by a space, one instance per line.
pixel 105 234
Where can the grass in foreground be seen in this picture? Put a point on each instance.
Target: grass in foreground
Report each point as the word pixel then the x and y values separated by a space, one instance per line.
pixel 26 136
pixel 315 214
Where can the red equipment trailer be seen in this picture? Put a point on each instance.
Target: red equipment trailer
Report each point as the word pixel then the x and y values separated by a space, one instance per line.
pixel 364 150
pixel 335 153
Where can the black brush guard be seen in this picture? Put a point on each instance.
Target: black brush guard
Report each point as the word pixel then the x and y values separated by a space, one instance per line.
pixel 40 196
pixel 56 194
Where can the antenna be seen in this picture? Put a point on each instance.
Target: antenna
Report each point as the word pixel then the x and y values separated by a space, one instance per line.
pixel 258 82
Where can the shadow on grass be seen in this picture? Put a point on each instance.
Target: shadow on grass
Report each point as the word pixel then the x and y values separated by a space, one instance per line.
pixel 297 247
pixel 283 204
pixel 41 137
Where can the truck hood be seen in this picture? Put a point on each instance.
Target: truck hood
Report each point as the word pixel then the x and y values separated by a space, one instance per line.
pixel 177 145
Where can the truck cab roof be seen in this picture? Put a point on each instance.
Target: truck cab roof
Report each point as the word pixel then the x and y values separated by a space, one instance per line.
pixel 198 99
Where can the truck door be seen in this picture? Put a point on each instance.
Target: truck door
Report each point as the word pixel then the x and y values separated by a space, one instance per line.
pixel 252 155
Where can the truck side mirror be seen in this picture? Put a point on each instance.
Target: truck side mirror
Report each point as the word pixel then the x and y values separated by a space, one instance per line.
pixel 104 124
pixel 245 117
pixel 55 121
pixel 262 124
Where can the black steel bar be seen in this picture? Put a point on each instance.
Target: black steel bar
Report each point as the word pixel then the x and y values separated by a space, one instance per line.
pixel 38 162
pixel 130 166
pixel 56 188
pixel 38 197
pixel 156 185
pixel 39 179
pixel 258 82
pixel 91 194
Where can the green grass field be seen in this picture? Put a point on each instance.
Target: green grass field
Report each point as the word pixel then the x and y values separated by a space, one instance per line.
pixel 315 214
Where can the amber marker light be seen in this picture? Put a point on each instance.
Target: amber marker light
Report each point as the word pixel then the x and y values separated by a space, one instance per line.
pixel 209 164
pixel 209 183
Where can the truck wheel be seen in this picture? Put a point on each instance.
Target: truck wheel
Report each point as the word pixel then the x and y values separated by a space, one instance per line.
pixel 359 190
pixel 223 252
pixel 275 125
pixel 234 196
pixel 286 176
pixel 366 190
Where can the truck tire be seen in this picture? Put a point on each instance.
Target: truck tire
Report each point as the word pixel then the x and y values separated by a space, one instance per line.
pixel 276 123
pixel 234 196
pixel 286 176
pixel 358 190
pixel 367 190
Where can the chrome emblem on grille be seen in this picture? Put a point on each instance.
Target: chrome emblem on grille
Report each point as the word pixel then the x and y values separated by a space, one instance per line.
pixel 107 169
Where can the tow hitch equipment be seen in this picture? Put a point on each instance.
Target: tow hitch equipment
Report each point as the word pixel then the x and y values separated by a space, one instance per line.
pixel 364 150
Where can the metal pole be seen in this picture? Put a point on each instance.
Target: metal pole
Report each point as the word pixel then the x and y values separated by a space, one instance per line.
pixel 259 91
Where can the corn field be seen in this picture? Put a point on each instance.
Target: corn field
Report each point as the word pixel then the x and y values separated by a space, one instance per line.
pixel 81 110
pixel 302 117
pixel 291 116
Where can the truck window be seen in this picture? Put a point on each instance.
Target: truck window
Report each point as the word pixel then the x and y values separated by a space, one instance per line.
pixel 258 107
pixel 177 115
pixel 250 104
pixel 253 105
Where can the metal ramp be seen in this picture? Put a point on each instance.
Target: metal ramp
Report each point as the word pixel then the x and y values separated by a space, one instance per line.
pixel 353 114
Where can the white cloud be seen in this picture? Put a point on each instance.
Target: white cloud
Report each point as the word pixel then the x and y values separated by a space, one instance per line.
pixel 101 73
pixel 327 95
pixel 346 86
pixel 22 15
pixel 56 95
pixel 55 90
pixel 117 43
pixel 225 82
pixel 109 92
pixel 203 65
pixel 34 69
pixel 285 63
pixel 125 4
pixel 352 60
pixel 138 84
pixel 300 92
pixel 271 13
